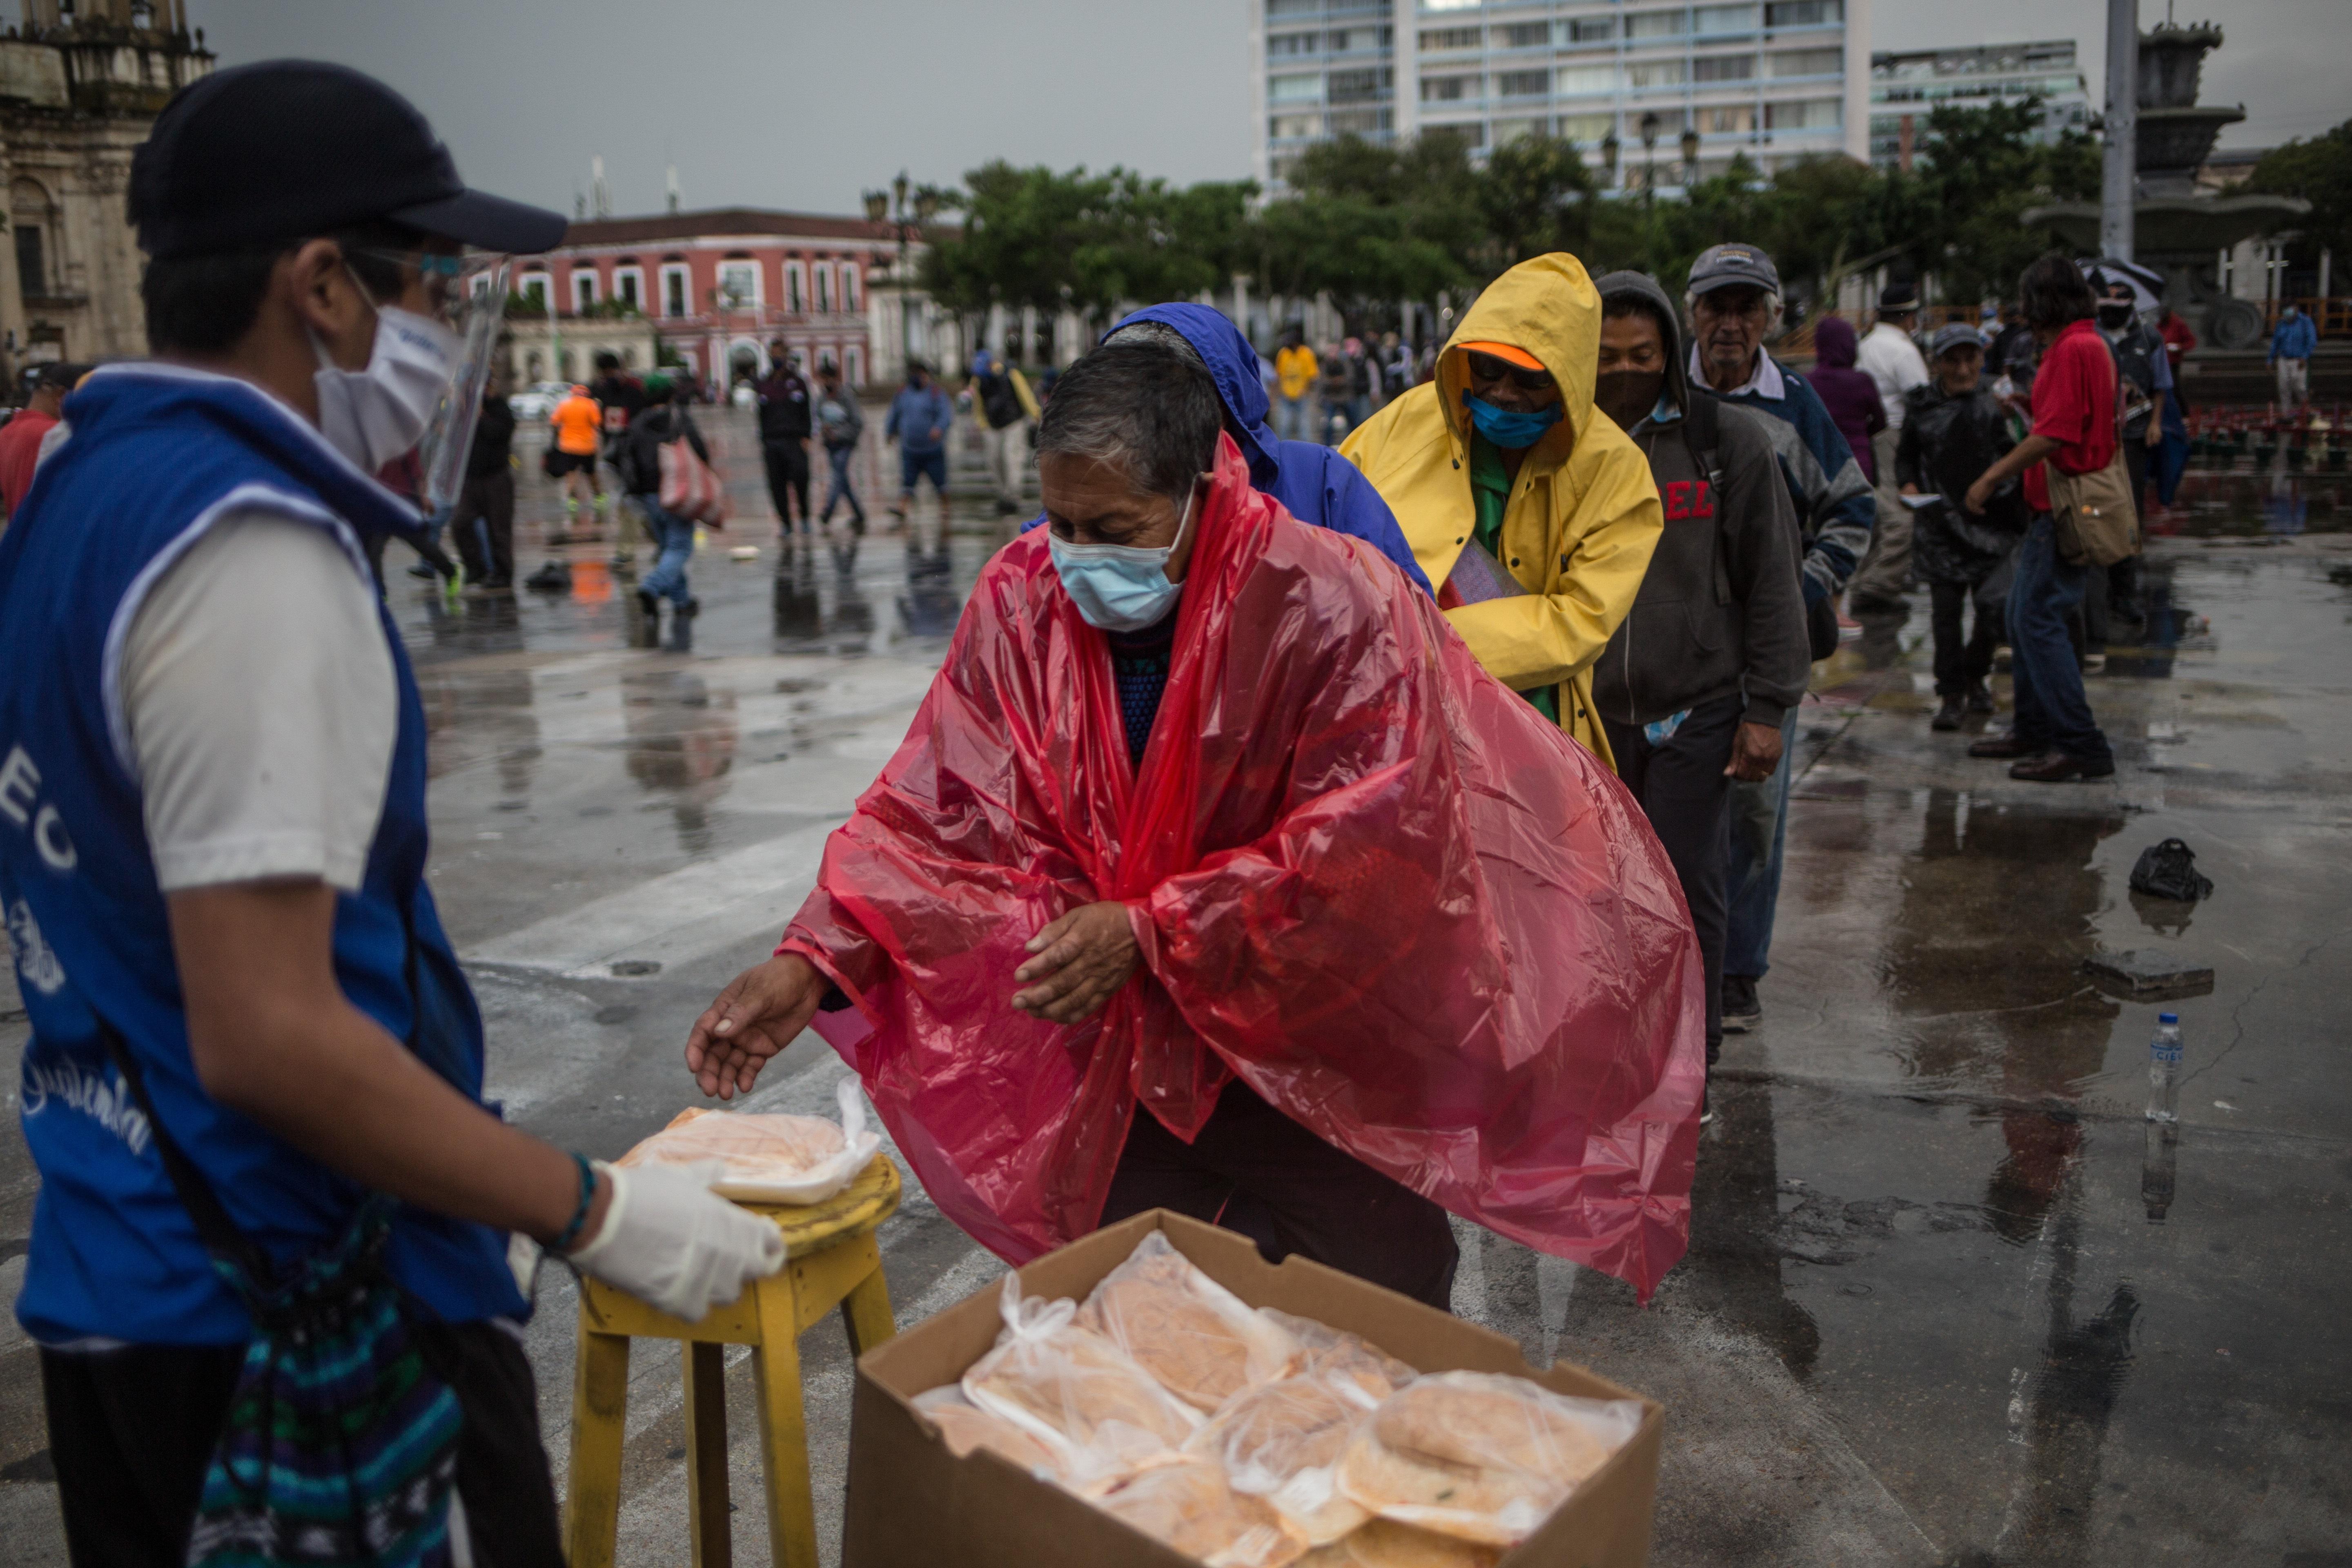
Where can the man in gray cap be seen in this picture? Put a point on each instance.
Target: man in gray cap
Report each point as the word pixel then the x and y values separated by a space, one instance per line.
pixel 1734 300
pixel 1887 356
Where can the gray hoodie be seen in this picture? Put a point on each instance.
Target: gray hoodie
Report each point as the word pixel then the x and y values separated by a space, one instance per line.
pixel 1721 608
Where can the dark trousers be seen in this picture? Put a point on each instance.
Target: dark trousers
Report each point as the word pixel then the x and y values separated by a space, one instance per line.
pixel 1254 1170
pixel 788 480
pixel 483 525
pixel 132 1433
pixel 1962 663
pixel 1685 793
pixel 2054 712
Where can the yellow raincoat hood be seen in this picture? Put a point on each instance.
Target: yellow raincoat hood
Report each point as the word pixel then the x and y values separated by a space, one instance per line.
pixel 1584 515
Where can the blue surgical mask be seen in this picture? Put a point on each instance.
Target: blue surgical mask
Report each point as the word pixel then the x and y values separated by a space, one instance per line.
pixel 1120 587
pixel 1509 428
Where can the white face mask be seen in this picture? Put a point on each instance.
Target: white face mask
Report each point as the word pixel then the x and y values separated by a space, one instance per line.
pixel 374 415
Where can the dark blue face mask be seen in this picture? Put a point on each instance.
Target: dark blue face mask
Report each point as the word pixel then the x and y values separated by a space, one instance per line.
pixel 1509 428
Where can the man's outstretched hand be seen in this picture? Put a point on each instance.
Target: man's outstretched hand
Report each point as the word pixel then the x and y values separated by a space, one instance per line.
pixel 761 1011
pixel 1080 960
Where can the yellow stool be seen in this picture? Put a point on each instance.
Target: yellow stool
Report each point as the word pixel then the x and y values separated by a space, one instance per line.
pixel 831 1261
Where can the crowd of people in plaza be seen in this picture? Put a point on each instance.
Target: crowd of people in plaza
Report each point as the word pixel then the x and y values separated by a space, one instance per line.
pixel 1360 797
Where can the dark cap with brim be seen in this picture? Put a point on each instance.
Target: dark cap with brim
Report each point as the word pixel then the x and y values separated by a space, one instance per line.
pixel 284 150
pixel 1731 266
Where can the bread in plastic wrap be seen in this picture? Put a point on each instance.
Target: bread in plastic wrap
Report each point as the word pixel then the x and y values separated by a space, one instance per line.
pixel 1188 1505
pixel 1201 1341
pixel 1384 1543
pixel 1479 1456
pixel 769 1158
pixel 1345 1357
pixel 965 1426
pixel 1075 1390
pixel 1282 1441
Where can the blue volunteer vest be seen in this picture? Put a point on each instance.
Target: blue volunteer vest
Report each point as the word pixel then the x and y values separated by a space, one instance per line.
pixel 157 455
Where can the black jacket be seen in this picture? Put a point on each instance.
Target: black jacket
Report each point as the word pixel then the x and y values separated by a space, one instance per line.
pixel 1721 608
pixel 640 457
pixel 1946 443
pixel 784 413
pixel 493 440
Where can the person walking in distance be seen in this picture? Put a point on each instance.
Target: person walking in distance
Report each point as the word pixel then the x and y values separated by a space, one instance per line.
pixel 1953 429
pixel 2052 736
pixel 1004 405
pixel 920 418
pixel 1296 372
pixel 1734 300
pixel 622 396
pixel 2145 389
pixel 482 523
pixel 839 424
pixel 20 439
pixel 255 1037
pixel 786 421
pixel 2293 343
pixel 662 422
pixel 1693 685
pixel 579 425
pixel 1889 357
pixel 1335 388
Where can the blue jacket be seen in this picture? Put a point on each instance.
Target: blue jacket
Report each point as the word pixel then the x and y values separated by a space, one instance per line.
pixel 915 413
pixel 2296 338
pixel 1314 483
pixel 1834 500
pixel 158 455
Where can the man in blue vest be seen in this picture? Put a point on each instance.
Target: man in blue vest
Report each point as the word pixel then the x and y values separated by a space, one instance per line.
pixel 213 836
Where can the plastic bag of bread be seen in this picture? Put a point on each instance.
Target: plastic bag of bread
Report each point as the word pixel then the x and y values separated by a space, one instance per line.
pixel 1076 1391
pixel 1479 1456
pixel 1384 1543
pixel 772 1157
pixel 1188 1505
pixel 1282 1441
pixel 1201 1341
pixel 964 1426
pixel 1338 1354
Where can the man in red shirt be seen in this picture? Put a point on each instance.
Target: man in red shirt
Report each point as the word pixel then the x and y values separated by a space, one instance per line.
pixel 2052 735
pixel 20 438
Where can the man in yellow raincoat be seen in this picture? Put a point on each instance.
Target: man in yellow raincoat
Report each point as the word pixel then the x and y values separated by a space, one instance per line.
pixel 1532 510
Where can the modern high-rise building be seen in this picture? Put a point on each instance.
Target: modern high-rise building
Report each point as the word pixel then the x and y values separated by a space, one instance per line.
pixel 1777 80
pixel 1906 87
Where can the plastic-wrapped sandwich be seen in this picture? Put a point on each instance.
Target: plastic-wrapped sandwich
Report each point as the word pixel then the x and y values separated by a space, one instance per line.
pixel 767 1158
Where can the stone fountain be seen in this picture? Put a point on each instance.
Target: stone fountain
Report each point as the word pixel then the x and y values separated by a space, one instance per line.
pixel 2178 230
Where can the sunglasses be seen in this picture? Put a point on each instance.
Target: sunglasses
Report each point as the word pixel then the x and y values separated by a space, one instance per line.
pixel 1488 367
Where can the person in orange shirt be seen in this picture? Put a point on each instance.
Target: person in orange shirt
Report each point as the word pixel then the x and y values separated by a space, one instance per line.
pixel 579 422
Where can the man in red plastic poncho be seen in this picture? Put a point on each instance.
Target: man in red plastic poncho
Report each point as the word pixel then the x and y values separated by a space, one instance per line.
pixel 1214 874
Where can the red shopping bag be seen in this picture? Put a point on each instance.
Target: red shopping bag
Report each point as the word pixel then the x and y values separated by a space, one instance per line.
pixel 691 488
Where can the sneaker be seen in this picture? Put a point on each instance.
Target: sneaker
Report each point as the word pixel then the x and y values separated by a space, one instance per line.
pixel 1705 1099
pixel 1947 717
pixel 649 604
pixel 689 609
pixel 1979 697
pixel 1741 1010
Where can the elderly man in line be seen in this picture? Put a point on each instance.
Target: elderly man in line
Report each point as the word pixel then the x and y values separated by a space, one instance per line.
pixel 1734 300
pixel 1534 515
pixel 1194 886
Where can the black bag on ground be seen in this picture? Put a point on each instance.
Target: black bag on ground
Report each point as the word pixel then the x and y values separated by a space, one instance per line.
pixel 2168 870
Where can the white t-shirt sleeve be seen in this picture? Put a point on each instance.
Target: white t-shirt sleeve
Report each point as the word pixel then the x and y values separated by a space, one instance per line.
pixel 261 706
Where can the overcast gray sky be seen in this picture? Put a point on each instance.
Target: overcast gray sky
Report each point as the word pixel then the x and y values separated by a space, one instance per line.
pixel 795 104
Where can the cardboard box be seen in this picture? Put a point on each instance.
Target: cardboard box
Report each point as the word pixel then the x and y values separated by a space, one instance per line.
pixel 912 1504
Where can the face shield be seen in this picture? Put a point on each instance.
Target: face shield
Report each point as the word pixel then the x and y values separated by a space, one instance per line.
pixel 466 294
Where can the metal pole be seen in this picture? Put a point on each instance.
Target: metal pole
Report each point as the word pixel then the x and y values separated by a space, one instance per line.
pixel 2122 127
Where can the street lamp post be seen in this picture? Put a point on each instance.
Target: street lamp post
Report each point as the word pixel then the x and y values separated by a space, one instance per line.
pixel 1650 184
pixel 908 217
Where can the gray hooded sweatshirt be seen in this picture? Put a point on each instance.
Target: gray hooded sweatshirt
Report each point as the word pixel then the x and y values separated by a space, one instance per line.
pixel 1721 609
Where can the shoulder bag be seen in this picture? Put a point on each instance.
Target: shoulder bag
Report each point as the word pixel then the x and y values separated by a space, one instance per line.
pixel 2092 516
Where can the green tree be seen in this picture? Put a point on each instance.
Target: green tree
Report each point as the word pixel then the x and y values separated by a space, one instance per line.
pixel 1982 169
pixel 2320 171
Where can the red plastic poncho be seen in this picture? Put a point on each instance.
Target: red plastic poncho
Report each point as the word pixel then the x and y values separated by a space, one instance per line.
pixel 1364 876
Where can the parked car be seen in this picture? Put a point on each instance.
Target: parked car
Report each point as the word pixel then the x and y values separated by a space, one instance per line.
pixel 537 400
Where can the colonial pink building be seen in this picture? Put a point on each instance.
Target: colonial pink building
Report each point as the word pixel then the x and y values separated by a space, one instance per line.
pixel 717 286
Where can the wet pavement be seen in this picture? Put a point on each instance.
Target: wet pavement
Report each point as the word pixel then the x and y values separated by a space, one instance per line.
pixel 1949 1299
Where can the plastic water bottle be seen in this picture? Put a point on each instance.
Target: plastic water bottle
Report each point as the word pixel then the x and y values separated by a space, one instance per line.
pixel 2164 1070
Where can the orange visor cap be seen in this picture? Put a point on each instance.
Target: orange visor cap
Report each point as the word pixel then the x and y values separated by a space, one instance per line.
pixel 1517 356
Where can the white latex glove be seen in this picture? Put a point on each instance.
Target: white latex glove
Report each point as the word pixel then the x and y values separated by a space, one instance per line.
pixel 669 1240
